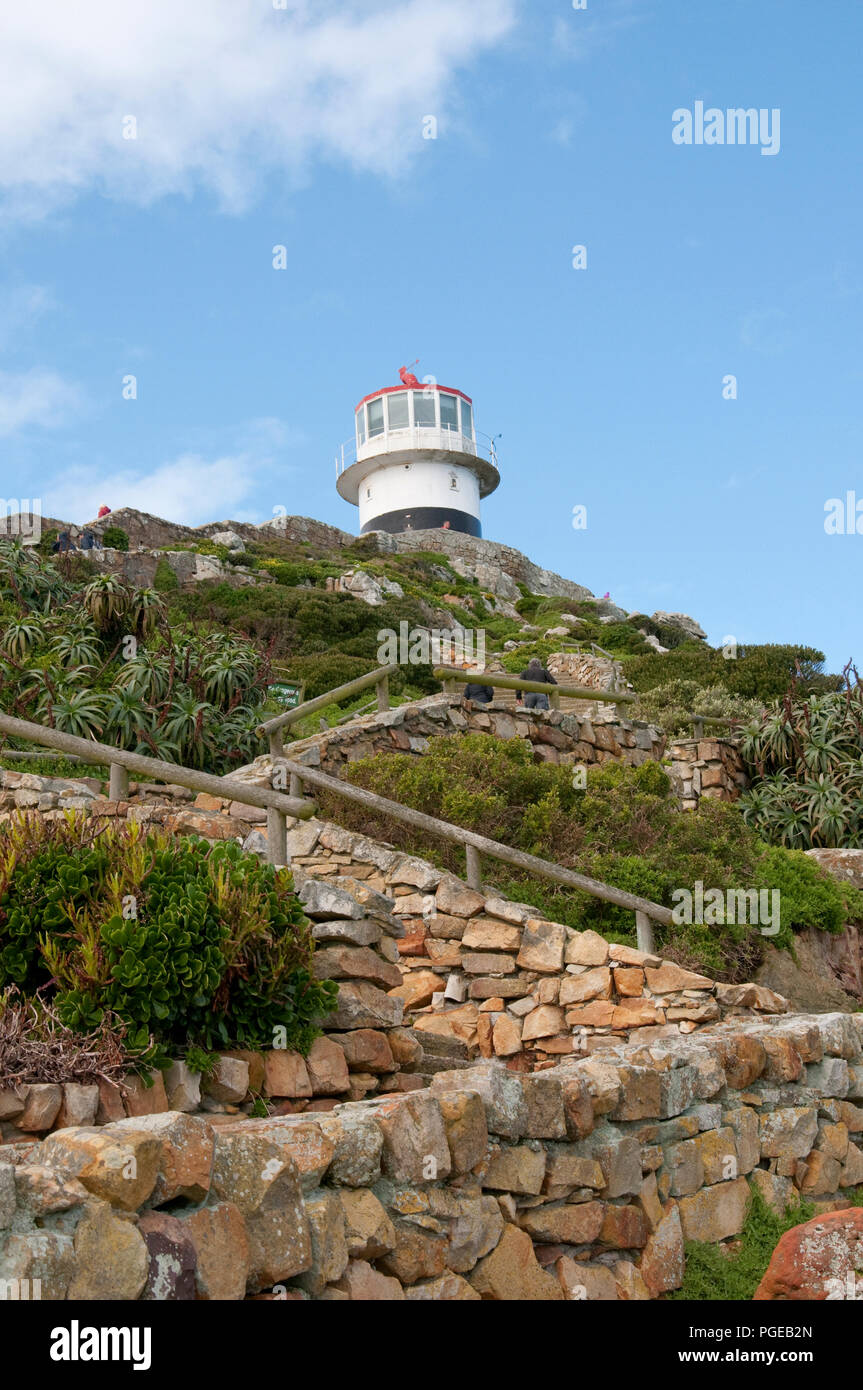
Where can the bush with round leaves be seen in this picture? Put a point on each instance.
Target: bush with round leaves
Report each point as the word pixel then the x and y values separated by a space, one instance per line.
pixel 184 942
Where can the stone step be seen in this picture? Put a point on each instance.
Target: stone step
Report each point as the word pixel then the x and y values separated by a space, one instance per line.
pixel 430 1064
pixel 442 1065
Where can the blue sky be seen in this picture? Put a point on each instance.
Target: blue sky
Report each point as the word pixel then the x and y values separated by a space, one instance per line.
pixel 303 126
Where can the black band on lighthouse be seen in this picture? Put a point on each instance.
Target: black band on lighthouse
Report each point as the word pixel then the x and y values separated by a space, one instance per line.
pixel 424 519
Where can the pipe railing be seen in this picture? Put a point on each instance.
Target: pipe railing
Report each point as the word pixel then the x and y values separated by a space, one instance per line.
pixel 646 912
pixel 451 676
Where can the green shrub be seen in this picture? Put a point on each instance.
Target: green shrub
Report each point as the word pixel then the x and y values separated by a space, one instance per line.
pixel 624 829
pixel 757 672
pixel 115 538
pixel 183 942
pixel 165 580
pixel 326 671
pixel 671 705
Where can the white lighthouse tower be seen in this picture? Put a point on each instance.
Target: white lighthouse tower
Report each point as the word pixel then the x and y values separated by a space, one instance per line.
pixel 415 463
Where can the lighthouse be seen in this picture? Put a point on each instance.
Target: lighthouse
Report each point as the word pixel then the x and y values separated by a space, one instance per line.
pixel 416 462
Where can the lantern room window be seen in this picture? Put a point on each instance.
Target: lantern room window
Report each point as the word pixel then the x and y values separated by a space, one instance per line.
pixel 449 412
pixel 397 411
pixel 424 410
pixel 466 420
pixel 361 426
pixel 376 418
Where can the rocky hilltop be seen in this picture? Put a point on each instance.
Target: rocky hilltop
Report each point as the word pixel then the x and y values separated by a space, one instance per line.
pixel 500 569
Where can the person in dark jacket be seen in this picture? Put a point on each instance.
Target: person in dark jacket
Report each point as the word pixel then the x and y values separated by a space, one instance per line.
pixel 480 694
pixel 87 540
pixel 535 671
pixel 474 690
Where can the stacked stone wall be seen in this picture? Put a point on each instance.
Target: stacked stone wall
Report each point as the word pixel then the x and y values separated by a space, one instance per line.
pixel 709 768
pixel 580 1183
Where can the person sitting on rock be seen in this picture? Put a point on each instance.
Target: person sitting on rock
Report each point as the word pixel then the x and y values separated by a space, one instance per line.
pixel 535 671
pixel 480 694
pixel 103 511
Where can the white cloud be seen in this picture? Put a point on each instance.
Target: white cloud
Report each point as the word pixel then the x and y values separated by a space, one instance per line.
pixel 190 489
pixel 38 397
pixel 222 91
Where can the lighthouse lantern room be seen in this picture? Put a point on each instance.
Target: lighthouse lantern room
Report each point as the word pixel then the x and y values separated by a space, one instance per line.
pixel 416 462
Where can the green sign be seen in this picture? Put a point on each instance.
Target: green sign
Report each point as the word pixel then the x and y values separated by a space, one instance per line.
pixel 288 696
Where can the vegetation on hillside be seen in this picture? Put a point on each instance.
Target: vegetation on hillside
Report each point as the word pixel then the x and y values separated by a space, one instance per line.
pixel 624 829
pixel 733 682
pixel 175 942
pixel 92 656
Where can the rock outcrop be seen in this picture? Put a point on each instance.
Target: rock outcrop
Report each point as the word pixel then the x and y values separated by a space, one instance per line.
pixel 683 622
pixel 501 566
pixel 820 1260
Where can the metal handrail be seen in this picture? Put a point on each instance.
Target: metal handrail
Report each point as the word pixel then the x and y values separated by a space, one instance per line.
pixel 416 437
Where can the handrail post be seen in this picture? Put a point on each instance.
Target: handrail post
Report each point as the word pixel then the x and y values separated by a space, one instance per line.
pixel 698 726
pixel 554 699
pixel 277 837
pixel 644 933
pixel 118 785
pixel 277 821
pixel 296 785
pixel 474 867
pixel 383 689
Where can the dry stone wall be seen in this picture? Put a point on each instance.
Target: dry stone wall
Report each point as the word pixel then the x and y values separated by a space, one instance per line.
pixel 587 737
pixel 711 768
pixel 580 1183
pixel 585 668
pixel 470 968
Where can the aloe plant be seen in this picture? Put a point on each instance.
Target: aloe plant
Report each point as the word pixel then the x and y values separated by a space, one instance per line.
pixel 76 647
pixel 79 712
pixel 146 608
pixel 105 598
pixel 21 636
pixel 805 757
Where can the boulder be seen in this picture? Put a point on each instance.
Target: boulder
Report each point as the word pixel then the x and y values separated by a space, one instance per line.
pixel 682 622
pixel 821 1259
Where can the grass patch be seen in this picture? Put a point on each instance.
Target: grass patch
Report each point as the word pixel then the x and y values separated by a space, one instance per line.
pixel 715 1276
